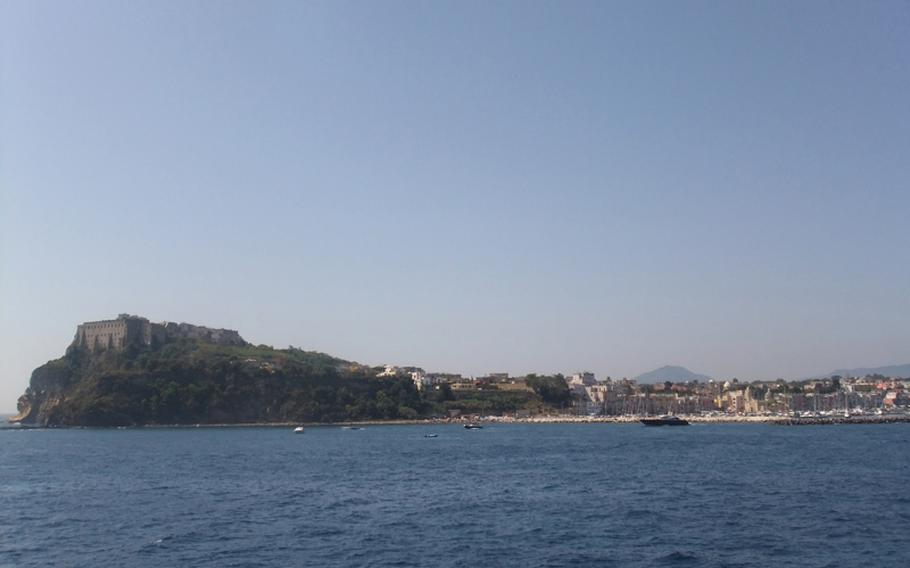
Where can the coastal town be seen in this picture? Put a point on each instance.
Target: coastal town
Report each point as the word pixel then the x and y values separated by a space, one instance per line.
pixel 829 398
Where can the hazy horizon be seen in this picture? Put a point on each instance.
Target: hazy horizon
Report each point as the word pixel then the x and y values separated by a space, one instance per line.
pixel 468 187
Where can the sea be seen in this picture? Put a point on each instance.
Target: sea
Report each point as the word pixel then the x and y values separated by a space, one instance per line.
pixel 506 495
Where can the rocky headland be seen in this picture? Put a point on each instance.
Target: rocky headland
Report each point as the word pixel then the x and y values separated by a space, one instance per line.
pixel 128 371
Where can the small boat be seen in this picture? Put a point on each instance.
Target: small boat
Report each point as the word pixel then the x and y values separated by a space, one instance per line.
pixel 351 428
pixel 473 426
pixel 431 435
pixel 664 421
pixel 298 430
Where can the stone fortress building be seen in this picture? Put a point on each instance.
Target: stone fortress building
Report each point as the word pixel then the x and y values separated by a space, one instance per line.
pixel 136 330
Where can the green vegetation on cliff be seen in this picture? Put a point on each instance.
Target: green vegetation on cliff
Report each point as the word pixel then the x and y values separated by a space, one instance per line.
pixel 192 381
pixel 196 382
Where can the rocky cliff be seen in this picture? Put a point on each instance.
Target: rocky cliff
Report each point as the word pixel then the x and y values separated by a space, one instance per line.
pixel 191 381
pixel 45 393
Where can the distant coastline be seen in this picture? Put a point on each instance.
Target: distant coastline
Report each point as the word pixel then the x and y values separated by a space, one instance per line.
pixel 129 371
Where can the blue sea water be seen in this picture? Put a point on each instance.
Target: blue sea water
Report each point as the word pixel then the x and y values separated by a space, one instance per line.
pixel 506 495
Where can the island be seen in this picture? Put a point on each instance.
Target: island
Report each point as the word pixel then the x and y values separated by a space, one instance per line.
pixel 130 371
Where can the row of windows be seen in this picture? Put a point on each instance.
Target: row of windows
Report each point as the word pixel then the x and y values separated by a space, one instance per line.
pixel 105 325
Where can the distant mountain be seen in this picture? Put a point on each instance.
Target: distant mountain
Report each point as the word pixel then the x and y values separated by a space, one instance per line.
pixel 670 373
pixel 888 371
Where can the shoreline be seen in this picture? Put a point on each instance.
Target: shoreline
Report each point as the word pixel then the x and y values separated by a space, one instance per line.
pixel 487 420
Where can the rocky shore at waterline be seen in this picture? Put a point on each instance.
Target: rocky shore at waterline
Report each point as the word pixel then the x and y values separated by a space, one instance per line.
pixel 547 419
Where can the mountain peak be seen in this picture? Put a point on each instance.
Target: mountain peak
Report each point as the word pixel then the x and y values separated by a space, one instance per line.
pixel 672 373
pixel 887 370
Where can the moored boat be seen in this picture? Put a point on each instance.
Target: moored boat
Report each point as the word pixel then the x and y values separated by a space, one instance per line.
pixel 473 426
pixel 664 421
pixel 298 430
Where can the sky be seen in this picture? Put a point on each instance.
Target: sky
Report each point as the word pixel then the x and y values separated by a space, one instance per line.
pixel 466 186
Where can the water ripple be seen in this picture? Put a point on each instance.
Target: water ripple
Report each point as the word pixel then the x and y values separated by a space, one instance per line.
pixel 561 495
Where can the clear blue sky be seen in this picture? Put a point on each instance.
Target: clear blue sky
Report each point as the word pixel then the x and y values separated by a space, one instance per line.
pixel 464 186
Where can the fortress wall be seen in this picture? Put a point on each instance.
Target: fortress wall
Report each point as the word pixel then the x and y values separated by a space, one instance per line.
pixel 154 334
pixel 188 331
pixel 227 337
pixel 102 335
pixel 125 330
pixel 135 331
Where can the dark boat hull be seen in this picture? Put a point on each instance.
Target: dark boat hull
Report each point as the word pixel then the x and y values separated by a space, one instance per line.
pixel 663 422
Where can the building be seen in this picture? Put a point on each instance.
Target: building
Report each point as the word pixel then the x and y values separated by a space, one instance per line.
pixel 584 379
pixel 498 377
pixel 389 371
pixel 127 329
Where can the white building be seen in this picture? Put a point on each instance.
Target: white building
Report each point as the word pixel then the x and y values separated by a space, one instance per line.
pixel 421 381
pixel 390 371
pixel 580 380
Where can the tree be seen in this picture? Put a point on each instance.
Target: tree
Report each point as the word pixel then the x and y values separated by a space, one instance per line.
pixel 552 389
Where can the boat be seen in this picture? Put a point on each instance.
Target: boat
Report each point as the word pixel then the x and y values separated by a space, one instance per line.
pixel 298 430
pixel 473 426
pixel 666 420
pixel 351 428
pixel 431 435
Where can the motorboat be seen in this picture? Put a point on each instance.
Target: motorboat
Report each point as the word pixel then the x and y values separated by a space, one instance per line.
pixel 665 420
pixel 473 426
pixel 298 430
pixel 431 435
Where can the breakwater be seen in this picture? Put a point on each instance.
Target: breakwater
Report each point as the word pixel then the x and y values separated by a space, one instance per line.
pixel 825 420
